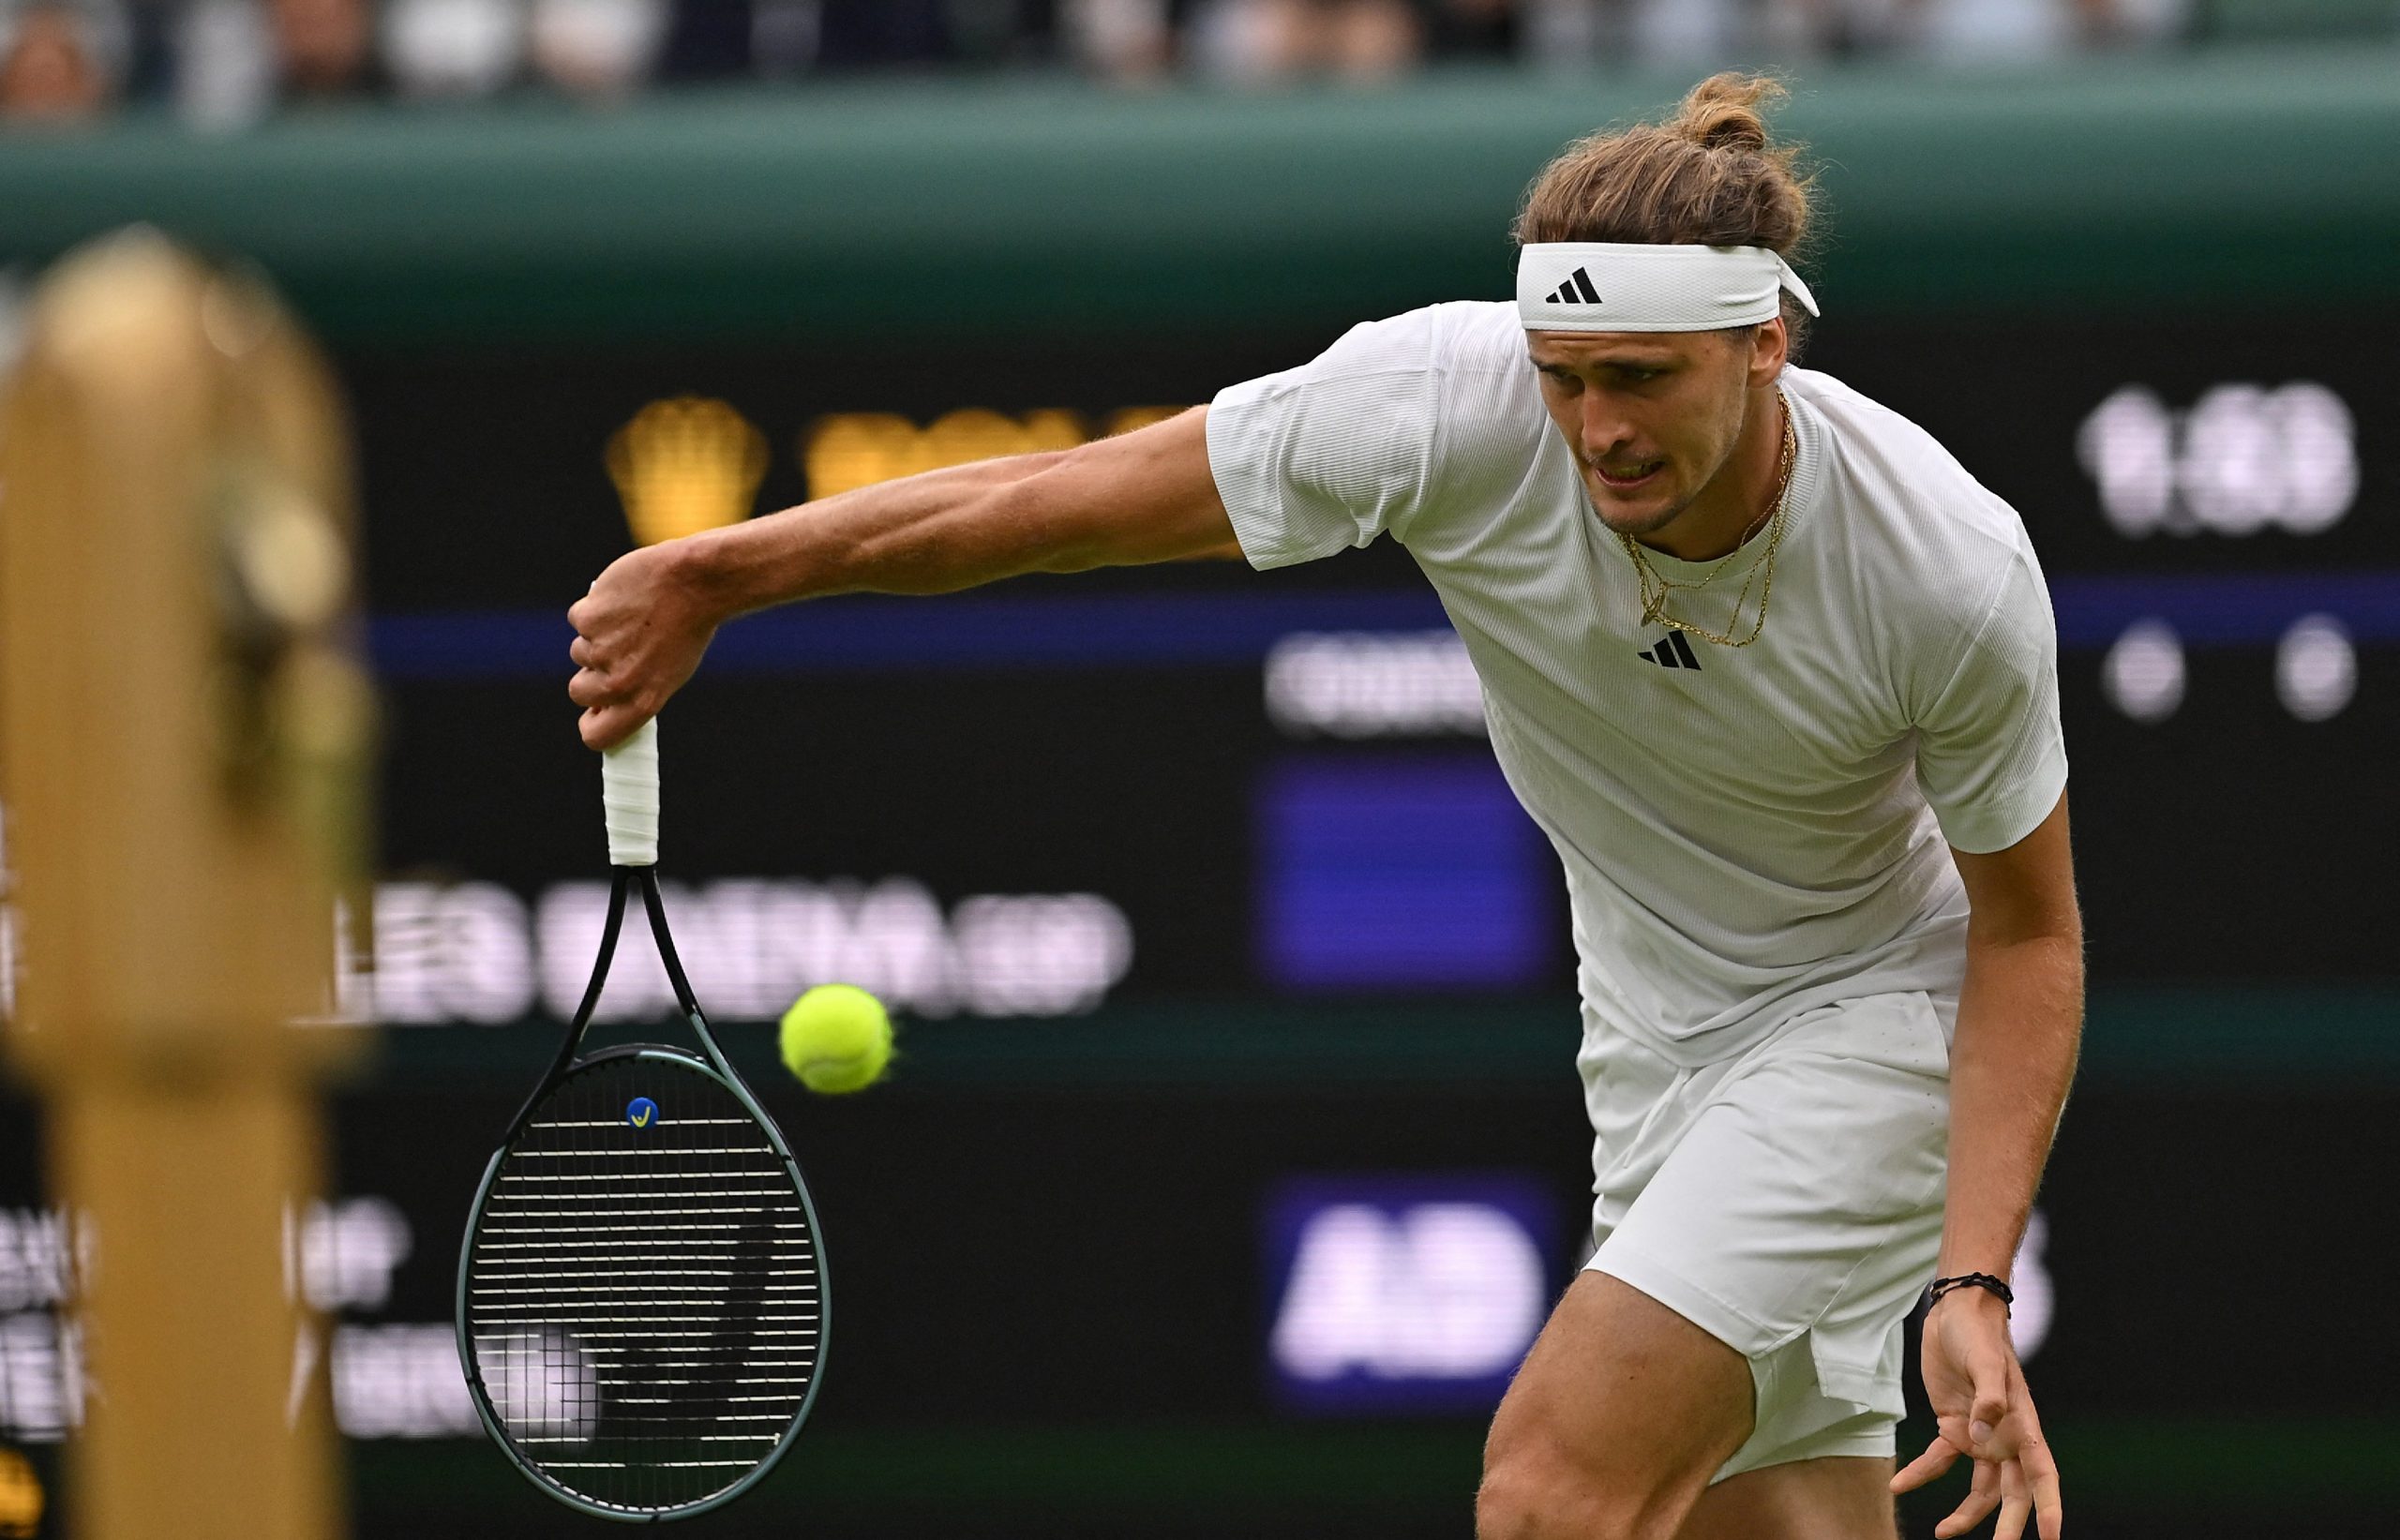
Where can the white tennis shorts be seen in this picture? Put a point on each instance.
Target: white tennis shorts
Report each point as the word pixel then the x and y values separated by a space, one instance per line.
pixel 1789 1203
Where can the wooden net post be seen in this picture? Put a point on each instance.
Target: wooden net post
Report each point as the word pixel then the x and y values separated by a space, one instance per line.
pixel 183 727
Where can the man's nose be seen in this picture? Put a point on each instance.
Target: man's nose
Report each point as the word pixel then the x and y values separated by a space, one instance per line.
pixel 1603 428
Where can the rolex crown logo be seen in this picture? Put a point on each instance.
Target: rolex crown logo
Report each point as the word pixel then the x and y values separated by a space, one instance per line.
pixel 686 464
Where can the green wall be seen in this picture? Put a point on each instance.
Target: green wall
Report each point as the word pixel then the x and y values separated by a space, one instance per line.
pixel 2260 178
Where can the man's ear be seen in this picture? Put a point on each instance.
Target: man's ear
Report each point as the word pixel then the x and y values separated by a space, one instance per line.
pixel 1770 348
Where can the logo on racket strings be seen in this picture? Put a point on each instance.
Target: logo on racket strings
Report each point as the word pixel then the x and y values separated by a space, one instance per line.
pixel 642 1111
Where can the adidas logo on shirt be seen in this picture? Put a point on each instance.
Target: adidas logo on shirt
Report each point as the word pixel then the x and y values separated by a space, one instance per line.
pixel 1577 290
pixel 1672 651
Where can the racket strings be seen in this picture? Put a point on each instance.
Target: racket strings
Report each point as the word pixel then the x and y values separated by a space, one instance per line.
pixel 645 1303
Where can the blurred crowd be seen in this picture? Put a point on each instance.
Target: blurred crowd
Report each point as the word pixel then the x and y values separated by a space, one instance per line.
pixel 226 63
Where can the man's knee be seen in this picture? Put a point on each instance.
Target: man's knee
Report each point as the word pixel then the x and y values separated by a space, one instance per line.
pixel 1530 1495
pixel 1613 1426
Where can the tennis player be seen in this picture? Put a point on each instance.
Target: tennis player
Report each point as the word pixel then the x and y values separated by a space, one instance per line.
pixel 1777 676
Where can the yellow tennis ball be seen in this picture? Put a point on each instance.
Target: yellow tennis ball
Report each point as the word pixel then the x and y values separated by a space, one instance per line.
pixel 836 1037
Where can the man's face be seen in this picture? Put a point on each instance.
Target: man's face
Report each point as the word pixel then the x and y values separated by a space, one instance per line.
pixel 1652 416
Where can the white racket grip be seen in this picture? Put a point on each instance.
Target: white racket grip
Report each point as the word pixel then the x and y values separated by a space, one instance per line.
pixel 629 795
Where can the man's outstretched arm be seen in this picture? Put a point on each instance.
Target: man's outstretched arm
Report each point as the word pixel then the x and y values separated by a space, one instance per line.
pixel 1146 496
pixel 2020 1020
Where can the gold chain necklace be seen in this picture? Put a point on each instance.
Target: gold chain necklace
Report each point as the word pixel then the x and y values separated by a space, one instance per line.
pixel 1656 587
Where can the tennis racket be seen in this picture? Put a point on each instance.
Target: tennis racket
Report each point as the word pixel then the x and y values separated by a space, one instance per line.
pixel 642 1301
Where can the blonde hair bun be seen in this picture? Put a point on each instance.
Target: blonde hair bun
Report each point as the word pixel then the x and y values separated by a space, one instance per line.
pixel 1727 112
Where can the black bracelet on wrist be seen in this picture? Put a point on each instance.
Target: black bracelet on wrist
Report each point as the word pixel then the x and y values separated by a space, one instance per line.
pixel 1969 1280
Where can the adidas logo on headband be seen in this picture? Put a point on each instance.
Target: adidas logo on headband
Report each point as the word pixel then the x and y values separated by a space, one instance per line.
pixel 1576 290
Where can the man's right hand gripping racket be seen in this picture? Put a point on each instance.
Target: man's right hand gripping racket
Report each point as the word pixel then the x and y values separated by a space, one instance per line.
pixel 642 1305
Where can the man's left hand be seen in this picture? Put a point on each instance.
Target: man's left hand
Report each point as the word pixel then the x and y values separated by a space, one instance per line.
pixel 1984 1412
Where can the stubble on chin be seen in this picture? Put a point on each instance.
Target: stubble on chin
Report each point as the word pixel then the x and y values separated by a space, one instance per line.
pixel 1639 524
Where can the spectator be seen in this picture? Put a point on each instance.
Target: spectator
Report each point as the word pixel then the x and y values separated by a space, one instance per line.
pixel 453 48
pixel 223 73
pixel 51 67
pixel 1966 31
pixel 226 63
pixel 1127 41
pixel 1696 34
pixel 597 49
pixel 322 47
pixel 1265 41
pixel 1368 40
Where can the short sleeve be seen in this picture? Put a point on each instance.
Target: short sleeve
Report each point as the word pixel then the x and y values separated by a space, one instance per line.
pixel 1989 753
pixel 1332 454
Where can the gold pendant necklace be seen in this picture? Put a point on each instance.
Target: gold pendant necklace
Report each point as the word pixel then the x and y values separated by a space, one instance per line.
pixel 1656 587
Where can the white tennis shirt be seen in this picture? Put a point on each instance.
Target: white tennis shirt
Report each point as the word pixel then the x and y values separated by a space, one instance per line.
pixel 1744 840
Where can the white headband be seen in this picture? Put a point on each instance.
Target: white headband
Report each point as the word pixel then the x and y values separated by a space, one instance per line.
pixel 1596 287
